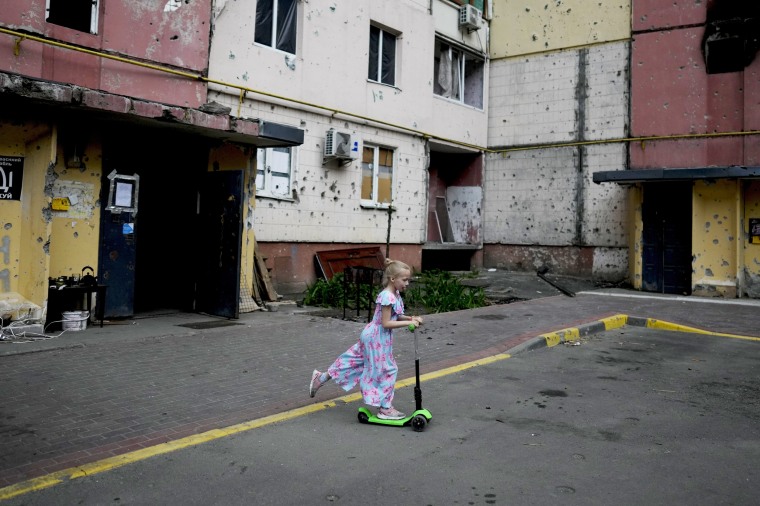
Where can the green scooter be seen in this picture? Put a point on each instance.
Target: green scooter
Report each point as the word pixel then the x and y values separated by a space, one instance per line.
pixel 420 418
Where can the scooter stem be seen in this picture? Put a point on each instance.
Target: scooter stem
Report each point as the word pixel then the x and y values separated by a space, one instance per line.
pixel 417 389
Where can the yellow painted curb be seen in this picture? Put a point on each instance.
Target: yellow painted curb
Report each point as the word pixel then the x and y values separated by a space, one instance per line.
pixel 111 463
pixel 653 323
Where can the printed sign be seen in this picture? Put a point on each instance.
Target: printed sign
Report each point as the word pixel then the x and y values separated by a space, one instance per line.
pixel 754 230
pixel 11 177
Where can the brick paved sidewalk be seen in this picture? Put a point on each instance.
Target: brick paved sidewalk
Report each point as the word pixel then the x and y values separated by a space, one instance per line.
pixel 76 404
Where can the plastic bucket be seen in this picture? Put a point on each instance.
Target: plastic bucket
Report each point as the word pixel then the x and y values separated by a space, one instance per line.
pixel 75 320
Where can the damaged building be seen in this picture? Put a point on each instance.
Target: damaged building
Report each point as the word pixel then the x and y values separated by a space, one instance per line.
pixel 177 149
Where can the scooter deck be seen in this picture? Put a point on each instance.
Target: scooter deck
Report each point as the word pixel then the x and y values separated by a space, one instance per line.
pixel 403 422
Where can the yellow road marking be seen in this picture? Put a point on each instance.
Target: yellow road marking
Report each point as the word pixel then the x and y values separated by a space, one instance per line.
pixel 552 339
pixel 111 463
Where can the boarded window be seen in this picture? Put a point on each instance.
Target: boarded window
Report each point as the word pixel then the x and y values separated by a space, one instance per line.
pixel 377 175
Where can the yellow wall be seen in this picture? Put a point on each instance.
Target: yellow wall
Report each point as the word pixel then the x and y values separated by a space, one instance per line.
pixel 75 233
pixel 532 26
pixel 715 237
pixel 33 259
pixel 751 252
pixel 41 242
pixel 12 143
pixel 635 239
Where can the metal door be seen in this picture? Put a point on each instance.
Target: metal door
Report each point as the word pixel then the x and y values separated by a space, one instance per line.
pixel 117 260
pixel 666 251
pixel 220 209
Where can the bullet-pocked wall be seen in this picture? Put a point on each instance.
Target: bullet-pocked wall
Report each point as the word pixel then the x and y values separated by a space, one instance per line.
pixel 541 207
pixel 174 34
pixel 673 94
pixel 25 233
pixel 751 240
pixel 52 229
pixel 329 203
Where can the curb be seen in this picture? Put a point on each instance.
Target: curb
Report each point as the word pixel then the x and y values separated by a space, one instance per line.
pixel 572 334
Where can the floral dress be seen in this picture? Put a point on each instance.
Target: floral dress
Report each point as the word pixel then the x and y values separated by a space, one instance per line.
pixel 370 363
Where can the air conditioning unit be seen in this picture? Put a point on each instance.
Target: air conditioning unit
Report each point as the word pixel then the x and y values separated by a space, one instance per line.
pixel 470 17
pixel 340 145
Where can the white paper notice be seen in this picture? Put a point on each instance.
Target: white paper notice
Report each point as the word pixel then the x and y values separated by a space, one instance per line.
pixel 123 194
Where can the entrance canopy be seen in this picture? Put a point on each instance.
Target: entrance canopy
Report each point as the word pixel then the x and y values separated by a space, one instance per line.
pixel 26 97
pixel 662 175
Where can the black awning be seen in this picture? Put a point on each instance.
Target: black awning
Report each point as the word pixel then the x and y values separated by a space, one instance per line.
pixel 282 135
pixel 662 175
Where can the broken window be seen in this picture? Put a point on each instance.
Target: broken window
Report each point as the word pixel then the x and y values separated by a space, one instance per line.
pixel 274 167
pixel 79 15
pixel 276 24
pixel 377 175
pixel 382 56
pixel 458 75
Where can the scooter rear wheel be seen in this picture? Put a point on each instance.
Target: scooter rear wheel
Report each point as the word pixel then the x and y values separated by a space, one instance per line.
pixel 418 423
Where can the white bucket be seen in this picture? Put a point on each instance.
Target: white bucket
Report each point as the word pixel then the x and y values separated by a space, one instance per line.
pixel 75 320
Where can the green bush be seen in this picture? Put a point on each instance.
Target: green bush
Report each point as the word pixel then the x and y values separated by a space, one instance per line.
pixel 325 293
pixel 431 292
pixel 441 291
pixel 332 293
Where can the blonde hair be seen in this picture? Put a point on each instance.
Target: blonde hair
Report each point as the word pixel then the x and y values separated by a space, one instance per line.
pixel 392 269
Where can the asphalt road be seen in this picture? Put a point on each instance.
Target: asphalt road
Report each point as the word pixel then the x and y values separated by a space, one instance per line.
pixel 630 416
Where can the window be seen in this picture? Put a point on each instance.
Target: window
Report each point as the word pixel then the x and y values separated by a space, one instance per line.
pixel 458 75
pixel 276 24
pixel 79 15
pixel 382 56
pixel 377 175
pixel 273 172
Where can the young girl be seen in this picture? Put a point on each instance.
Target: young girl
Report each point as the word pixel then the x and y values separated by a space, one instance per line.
pixel 370 363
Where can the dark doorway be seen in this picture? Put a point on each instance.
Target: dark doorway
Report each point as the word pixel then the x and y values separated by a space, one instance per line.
pixel 221 216
pixel 666 251
pixel 153 267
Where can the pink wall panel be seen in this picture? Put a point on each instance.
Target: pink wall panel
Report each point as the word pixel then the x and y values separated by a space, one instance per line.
pixel 669 83
pixel 145 30
pixel 66 66
pixel 124 79
pixel 687 153
pixel 29 59
pixel 654 14
pixel 23 15
pixel 752 95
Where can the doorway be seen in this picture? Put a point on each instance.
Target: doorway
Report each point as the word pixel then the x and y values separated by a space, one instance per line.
pixel 148 258
pixel 666 249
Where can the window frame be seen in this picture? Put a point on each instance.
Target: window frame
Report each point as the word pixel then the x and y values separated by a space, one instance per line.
pixel 379 67
pixel 94 12
pixel 263 156
pixel 274 29
pixel 463 57
pixel 372 202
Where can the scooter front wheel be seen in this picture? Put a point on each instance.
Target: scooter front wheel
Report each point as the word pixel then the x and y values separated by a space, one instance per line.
pixel 418 423
pixel 363 418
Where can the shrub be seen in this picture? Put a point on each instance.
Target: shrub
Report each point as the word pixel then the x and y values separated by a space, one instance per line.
pixel 441 291
pixel 431 291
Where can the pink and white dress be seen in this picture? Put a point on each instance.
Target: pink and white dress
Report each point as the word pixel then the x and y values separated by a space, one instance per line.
pixel 370 363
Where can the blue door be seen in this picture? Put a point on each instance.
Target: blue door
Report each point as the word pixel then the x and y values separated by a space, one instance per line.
pixel 666 249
